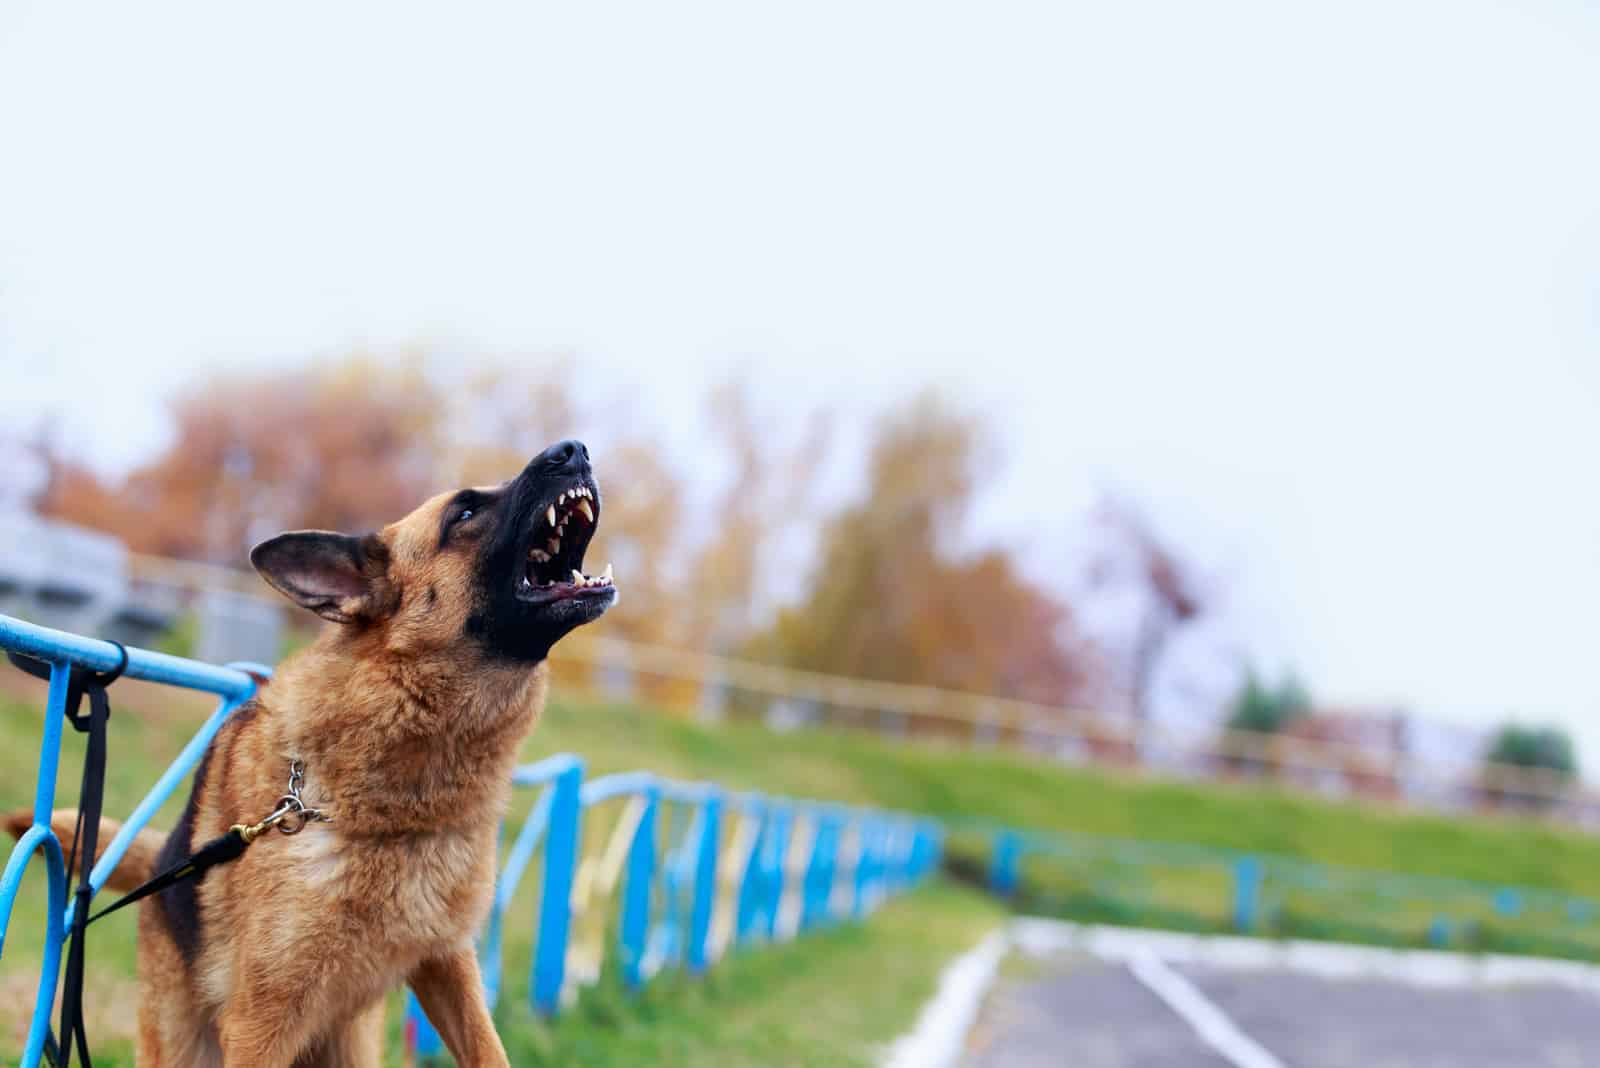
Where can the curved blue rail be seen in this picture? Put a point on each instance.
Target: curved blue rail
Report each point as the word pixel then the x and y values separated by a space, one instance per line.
pixel 63 651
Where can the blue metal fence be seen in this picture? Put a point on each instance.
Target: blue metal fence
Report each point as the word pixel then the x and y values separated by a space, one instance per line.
pixel 1204 888
pixel 700 869
pixel 677 874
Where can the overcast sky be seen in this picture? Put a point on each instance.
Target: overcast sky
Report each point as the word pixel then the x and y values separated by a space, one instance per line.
pixel 1320 280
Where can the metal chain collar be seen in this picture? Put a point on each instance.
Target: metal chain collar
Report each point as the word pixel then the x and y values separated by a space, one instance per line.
pixel 292 813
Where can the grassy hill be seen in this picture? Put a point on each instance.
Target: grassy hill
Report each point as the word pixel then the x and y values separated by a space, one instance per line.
pixel 955 783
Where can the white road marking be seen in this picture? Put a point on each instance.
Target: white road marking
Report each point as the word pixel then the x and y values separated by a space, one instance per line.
pixel 1199 1012
pixel 939 1038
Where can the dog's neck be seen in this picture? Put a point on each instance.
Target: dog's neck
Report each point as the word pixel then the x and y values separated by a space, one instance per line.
pixel 404 744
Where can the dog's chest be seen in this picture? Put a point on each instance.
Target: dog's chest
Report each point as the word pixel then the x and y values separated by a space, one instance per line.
pixel 413 891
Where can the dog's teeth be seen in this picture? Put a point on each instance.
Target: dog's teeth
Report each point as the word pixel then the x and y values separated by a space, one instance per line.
pixel 539 555
pixel 583 506
pixel 577 578
pixel 550 514
pixel 606 574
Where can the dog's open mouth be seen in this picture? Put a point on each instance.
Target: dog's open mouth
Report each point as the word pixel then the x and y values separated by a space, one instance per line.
pixel 553 569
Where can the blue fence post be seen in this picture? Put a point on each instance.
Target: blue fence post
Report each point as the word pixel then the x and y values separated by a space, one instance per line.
pixel 1507 902
pixel 1003 866
pixel 679 825
pixel 777 855
pixel 914 854
pixel 925 848
pixel 705 883
pixel 636 902
pixel 830 870
pixel 866 863
pixel 555 906
pixel 752 881
pixel 421 1038
pixel 1246 892
pixel 818 876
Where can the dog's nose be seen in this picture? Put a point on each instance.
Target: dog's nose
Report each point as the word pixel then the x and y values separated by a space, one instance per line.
pixel 569 457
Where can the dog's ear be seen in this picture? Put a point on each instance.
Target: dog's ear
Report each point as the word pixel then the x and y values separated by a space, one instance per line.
pixel 337 576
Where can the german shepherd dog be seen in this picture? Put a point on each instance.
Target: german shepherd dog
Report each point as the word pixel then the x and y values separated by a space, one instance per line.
pixel 406 718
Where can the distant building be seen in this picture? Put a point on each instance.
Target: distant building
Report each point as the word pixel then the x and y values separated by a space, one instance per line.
pixel 1351 751
pixel 59 574
pixel 65 576
pixel 1387 753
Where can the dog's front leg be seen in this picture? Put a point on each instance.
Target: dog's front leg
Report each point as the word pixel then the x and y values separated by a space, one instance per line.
pixel 450 989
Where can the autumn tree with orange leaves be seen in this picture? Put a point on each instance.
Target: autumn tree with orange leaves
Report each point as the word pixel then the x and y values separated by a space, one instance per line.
pixel 895 595
pixel 346 447
pixel 349 446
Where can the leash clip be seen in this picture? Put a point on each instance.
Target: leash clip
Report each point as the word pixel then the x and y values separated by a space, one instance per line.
pixel 291 814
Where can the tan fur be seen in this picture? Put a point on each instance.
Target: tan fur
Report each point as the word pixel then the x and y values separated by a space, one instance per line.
pixel 408 736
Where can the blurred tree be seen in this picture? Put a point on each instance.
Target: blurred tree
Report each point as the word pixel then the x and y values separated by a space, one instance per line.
pixel 1545 754
pixel 353 444
pixel 893 595
pixel 342 447
pixel 641 530
pixel 1266 709
pixel 1549 748
pixel 771 490
pixel 502 414
pixel 1170 594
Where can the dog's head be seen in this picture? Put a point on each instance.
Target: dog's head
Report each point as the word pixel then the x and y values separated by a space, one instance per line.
pixel 496 568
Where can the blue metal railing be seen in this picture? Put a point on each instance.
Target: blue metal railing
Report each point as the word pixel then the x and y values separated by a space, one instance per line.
pixel 702 869
pixel 1200 887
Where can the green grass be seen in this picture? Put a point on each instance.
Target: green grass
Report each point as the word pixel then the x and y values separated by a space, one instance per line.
pixel 833 998
pixel 149 727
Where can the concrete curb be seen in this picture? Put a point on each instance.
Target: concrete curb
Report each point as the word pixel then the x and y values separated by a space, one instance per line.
pixel 940 1033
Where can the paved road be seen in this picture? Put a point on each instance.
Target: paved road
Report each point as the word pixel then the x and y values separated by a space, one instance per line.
pixel 1311 1022
pixel 1086 1013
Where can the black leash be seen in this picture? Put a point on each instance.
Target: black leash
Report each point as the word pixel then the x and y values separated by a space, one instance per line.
pixel 80 857
pixel 219 850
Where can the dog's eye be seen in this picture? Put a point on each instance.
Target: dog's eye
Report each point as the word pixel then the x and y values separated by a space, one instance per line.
pixel 466 514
